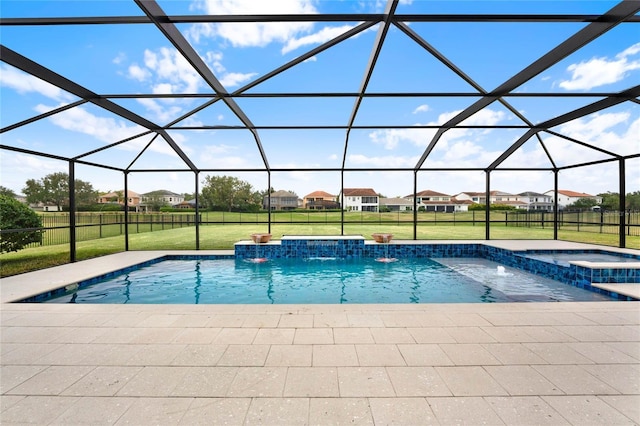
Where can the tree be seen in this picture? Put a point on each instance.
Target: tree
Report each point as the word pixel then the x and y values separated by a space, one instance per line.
pixel 6 191
pixel 229 193
pixel 582 204
pixel 610 201
pixel 633 200
pixel 54 189
pixel 14 215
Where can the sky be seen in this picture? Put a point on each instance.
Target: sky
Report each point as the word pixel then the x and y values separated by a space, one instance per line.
pixel 138 59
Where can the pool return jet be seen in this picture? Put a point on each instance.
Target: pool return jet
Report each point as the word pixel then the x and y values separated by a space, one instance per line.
pixel 384 239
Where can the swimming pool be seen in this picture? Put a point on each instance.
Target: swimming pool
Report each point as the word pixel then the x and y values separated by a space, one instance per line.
pixel 335 281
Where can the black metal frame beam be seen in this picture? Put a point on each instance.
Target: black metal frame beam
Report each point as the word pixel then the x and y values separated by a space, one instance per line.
pixel 613 17
pixel 564 118
pixel 328 17
pixel 159 18
pixel 35 69
pixel 373 58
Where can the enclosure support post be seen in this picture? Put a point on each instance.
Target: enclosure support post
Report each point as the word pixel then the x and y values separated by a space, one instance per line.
pixel 72 212
pixel 555 204
pixel 623 204
pixel 487 209
pixel 415 204
pixel 341 202
pixel 269 201
pixel 126 211
pixel 197 218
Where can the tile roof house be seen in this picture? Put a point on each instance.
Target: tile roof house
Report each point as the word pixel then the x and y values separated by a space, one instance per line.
pixel 359 199
pixel 320 200
pixel 566 197
pixel 117 197
pixel 396 204
pixel 536 201
pixel 495 197
pixel 433 201
pixel 281 200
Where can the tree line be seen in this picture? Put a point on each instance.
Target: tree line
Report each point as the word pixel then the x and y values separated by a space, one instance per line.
pixel 218 193
pixel 221 193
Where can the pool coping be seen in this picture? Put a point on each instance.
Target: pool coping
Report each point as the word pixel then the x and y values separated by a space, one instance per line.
pixel 23 286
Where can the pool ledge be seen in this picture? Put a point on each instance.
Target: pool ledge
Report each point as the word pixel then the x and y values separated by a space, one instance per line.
pixel 625 289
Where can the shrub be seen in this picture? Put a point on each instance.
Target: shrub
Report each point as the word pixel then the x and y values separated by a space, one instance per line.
pixel 17 216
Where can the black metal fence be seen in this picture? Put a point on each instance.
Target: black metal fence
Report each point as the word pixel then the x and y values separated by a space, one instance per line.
pixel 91 226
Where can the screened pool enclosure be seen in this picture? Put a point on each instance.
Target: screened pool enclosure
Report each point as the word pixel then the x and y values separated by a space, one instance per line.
pixel 324 95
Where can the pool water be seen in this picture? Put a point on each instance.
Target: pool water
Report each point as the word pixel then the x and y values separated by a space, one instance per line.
pixel 563 259
pixel 229 281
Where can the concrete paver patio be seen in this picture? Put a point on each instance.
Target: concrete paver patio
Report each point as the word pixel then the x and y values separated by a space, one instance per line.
pixel 529 363
pixel 524 363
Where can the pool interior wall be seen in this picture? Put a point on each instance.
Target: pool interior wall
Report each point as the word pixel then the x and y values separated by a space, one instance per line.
pixel 578 274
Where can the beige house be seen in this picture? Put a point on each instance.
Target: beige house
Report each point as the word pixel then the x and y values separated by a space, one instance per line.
pixel 320 200
pixel 433 201
pixel 117 197
pixel 281 200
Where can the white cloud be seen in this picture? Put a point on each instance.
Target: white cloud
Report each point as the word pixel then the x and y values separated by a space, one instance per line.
pixel 421 108
pixel 600 130
pixel 381 161
pixel 163 89
pixel 253 34
pixel 233 79
pixel 391 138
pixel 138 73
pixel 105 129
pixel 171 67
pixel 159 111
pixel 26 83
pixel 319 37
pixel 120 58
pixel 602 71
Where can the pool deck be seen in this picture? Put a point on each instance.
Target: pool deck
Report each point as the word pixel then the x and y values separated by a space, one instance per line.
pixel 513 363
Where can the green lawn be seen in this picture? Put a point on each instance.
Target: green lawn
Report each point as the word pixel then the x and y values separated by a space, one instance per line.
pixel 225 236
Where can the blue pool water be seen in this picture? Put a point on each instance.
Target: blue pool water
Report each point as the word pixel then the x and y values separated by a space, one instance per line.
pixel 279 281
pixel 563 258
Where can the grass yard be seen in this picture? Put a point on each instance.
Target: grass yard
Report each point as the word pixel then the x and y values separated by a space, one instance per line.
pixel 225 236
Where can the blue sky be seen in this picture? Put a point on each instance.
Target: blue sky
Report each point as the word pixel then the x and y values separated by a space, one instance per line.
pixel 136 58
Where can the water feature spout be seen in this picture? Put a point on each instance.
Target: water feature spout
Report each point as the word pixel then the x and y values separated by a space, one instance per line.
pixel 384 239
pixel 257 240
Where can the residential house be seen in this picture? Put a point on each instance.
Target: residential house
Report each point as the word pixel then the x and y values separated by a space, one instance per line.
pixel 44 207
pixel 535 201
pixel 566 197
pixel 396 204
pixel 155 199
pixel 187 204
pixel 495 197
pixel 433 201
pixel 281 200
pixel 133 198
pixel 359 199
pixel 320 200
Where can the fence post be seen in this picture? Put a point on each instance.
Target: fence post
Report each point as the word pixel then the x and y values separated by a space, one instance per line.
pixel 601 220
